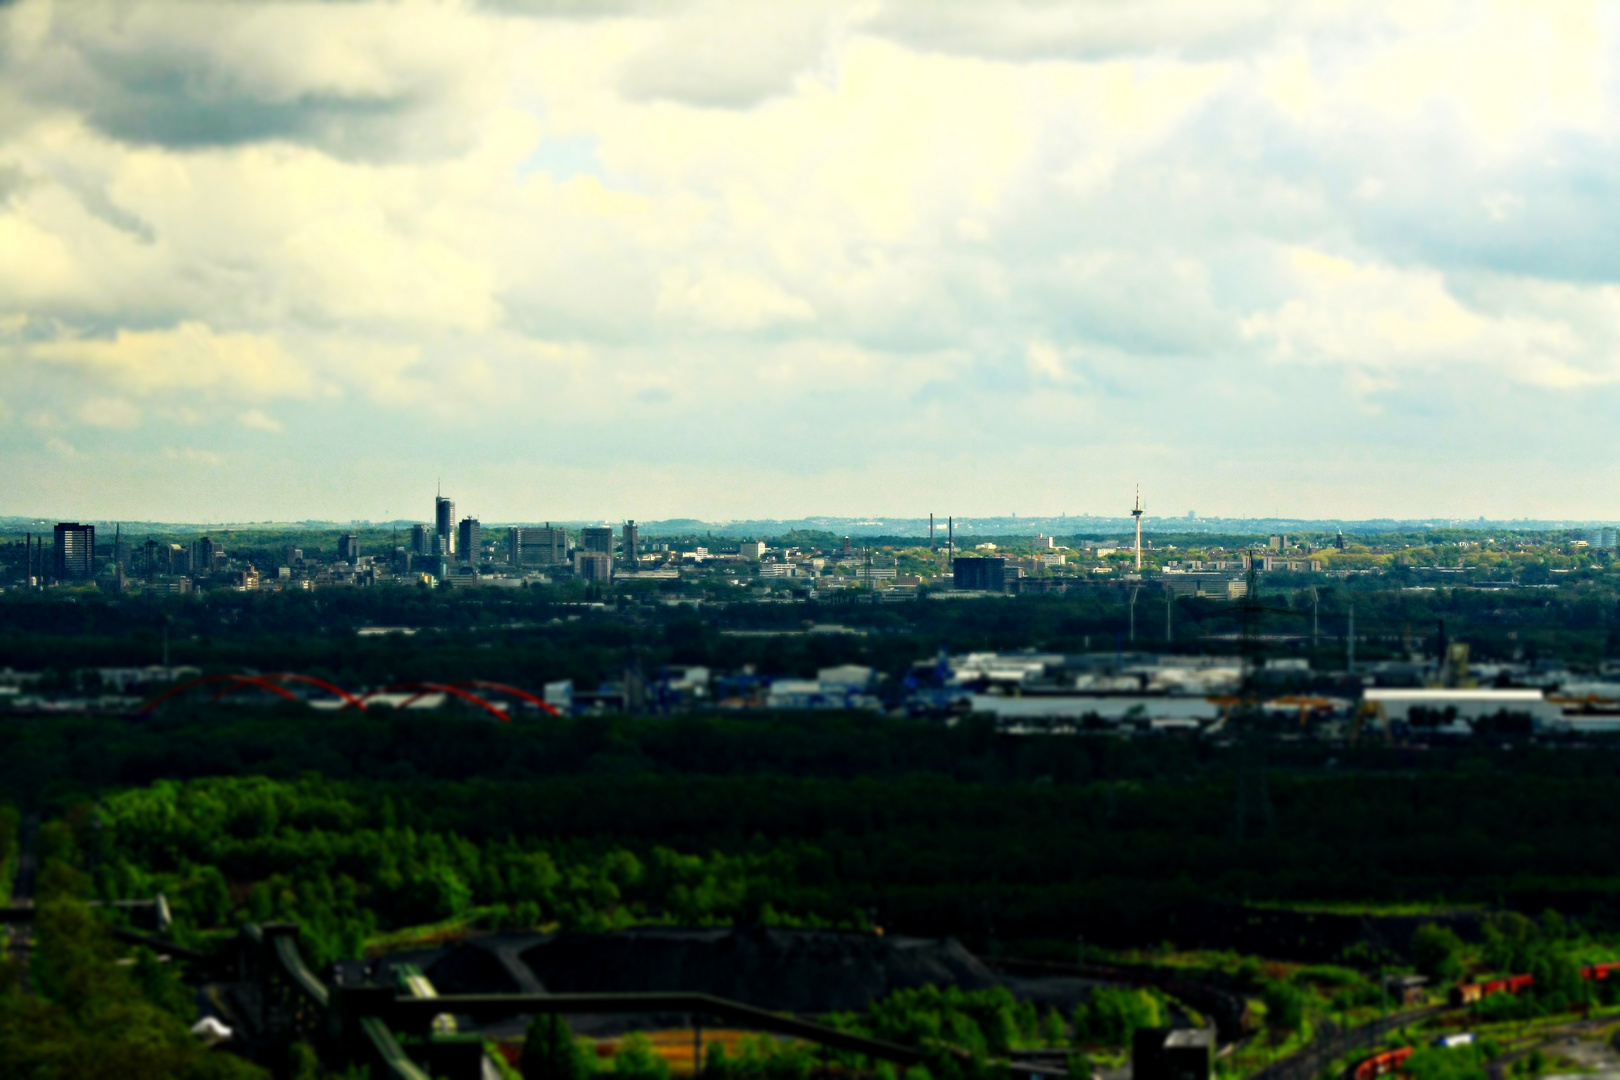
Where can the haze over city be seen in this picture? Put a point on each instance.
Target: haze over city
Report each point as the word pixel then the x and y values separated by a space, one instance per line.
pixel 775 260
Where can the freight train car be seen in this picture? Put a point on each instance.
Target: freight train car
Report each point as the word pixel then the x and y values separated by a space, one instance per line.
pixel 1468 993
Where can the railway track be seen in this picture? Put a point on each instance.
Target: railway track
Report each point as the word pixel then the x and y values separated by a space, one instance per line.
pixel 1308 1062
pixel 1498 1069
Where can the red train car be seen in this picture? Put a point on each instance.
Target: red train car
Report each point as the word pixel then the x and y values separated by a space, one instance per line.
pixel 1467 993
pixel 1597 972
pixel 1380 1064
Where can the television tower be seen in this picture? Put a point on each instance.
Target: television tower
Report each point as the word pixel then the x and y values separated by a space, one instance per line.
pixel 1136 513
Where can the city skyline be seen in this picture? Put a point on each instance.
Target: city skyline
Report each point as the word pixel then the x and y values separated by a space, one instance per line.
pixel 1309 262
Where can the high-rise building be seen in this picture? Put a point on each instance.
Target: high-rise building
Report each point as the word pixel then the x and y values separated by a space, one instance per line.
pixel 597 538
pixel 537 547
pixel 348 549
pixel 205 556
pixel 419 540
pixel 467 542
pixel 630 543
pixel 75 551
pixel 444 524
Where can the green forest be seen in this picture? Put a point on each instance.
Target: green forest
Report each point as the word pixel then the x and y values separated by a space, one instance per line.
pixel 378 830
pixel 366 823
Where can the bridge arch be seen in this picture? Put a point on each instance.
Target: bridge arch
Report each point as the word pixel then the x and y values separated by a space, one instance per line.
pixel 539 703
pixel 422 689
pixel 271 682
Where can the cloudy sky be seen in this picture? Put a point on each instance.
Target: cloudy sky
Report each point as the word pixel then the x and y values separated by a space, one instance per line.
pixel 747 259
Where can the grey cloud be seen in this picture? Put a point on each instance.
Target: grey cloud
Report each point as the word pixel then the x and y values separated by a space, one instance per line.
pixel 186 91
pixel 166 111
pixel 1548 214
pixel 94 198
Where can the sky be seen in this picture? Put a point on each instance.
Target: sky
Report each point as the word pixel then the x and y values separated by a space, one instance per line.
pixel 581 260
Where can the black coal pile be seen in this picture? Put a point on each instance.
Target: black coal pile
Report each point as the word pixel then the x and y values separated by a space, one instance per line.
pixel 800 971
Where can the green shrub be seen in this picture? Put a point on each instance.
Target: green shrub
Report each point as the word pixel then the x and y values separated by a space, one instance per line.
pixel 1112 1014
pixel 636 1059
pixel 551 1052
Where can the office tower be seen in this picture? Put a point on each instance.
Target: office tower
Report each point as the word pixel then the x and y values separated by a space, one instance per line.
pixel 75 551
pixel 444 524
pixel 631 543
pixel 467 542
pixel 205 555
pixel 348 549
pixel 597 538
pixel 419 540
pixel 179 560
pixel 537 547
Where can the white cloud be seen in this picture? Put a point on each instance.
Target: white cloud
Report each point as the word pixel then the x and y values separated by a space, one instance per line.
pixel 731 55
pixel 109 412
pixel 725 300
pixel 659 231
pixel 192 456
pixel 189 357
pixel 259 420
pixel 1375 317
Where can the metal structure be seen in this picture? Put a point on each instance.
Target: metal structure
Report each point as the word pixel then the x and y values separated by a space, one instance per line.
pixel 273 682
pixel 1136 512
pixel 463 690
pixel 282 1000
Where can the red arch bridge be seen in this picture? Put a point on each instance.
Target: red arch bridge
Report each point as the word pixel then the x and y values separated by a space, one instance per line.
pixel 475 692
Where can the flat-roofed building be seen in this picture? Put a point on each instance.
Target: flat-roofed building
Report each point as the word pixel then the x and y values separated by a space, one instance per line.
pixel 630 543
pixel 980 574
pixel 593 565
pixel 469 539
pixel 537 547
